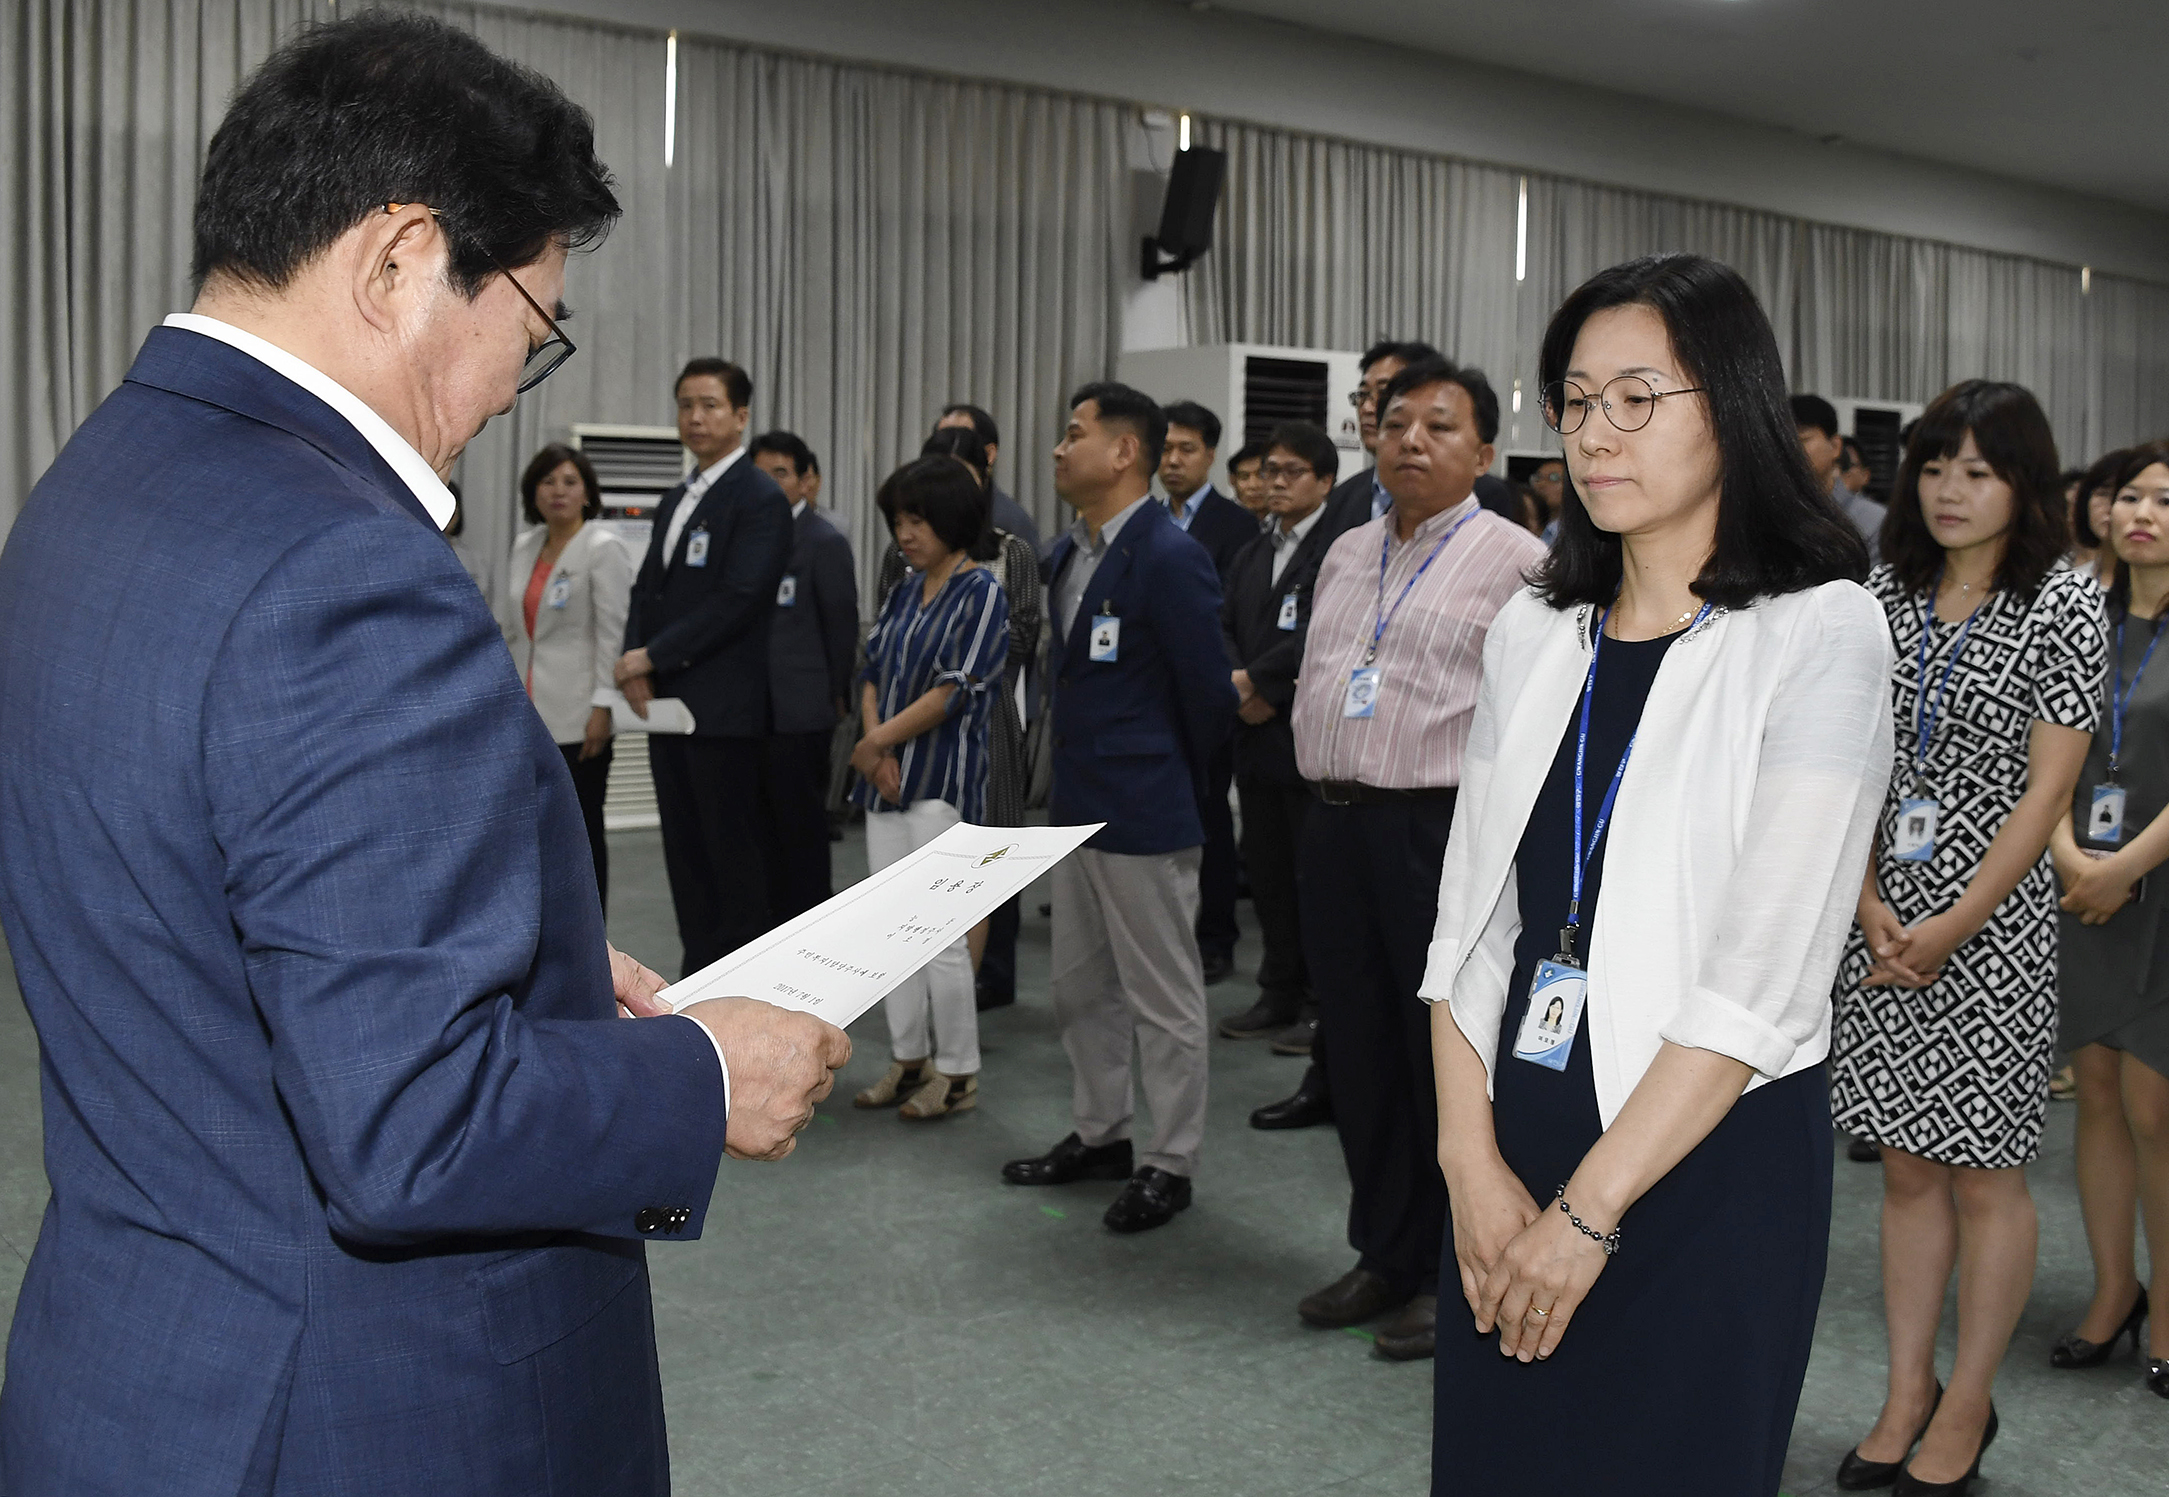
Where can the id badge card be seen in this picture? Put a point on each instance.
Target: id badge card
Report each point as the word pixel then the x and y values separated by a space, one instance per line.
pixel 787 592
pixel 560 593
pixel 1915 839
pixel 1556 996
pixel 1106 638
pixel 696 549
pixel 1361 699
pixel 2105 818
pixel 1288 611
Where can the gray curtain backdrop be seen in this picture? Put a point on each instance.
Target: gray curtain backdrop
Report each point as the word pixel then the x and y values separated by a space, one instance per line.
pixel 874 244
pixel 1328 244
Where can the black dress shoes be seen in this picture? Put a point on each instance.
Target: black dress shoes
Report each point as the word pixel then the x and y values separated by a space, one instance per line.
pixel 1257 1021
pixel 1909 1485
pixel 1311 1105
pixel 1356 1296
pixel 1219 966
pixel 1411 1335
pixel 1857 1475
pixel 2075 1350
pixel 1071 1160
pixel 1297 1037
pixel 1150 1200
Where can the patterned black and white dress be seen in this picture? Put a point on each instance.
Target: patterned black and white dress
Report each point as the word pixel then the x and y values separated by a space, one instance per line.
pixel 1957 1072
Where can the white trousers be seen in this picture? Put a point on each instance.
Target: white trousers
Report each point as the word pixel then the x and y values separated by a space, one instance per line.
pixel 939 995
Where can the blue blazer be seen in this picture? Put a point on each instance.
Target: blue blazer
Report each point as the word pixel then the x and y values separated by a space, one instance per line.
pixel 351 1161
pixel 706 628
pixel 1132 736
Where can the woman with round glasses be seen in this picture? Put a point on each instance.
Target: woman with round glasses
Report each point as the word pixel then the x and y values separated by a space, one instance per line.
pixel 1670 787
pixel 1947 999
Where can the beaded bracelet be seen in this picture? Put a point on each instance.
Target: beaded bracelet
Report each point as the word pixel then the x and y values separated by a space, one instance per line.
pixel 1610 1244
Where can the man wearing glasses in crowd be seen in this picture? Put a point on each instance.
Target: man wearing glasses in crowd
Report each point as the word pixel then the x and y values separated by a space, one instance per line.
pixel 352 1157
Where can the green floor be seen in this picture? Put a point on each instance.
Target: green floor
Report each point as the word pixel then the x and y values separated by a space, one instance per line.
pixel 880 1314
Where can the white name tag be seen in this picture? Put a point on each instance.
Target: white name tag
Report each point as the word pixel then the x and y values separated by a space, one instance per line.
pixel 560 593
pixel 1915 840
pixel 1288 611
pixel 1556 995
pixel 696 549
pixel 1106 637
pixel 2105 820
pixel 787 592
pixel 1361 699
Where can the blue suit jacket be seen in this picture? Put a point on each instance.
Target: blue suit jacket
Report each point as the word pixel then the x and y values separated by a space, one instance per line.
pixel 1132 736
pixel 350 1160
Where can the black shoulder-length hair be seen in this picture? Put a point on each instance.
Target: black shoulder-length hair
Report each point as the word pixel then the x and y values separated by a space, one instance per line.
pixel 2014 439
pixel 1778 531
pixel 2106 473
pixel 2130 463
pixel 548 461
pixel 945 494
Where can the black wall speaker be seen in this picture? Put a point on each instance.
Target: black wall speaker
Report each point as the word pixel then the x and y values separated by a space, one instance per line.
pixel 1186 218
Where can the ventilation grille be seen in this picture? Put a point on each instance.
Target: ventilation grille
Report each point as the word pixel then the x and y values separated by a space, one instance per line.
pixel 1876 430
pixel 1277 390
pixel 629 802
pixel 634 464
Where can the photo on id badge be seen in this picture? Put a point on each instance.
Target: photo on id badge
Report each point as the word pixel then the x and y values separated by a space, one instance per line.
pixel 1556 994
pixel 2105 818
pixel 1106 638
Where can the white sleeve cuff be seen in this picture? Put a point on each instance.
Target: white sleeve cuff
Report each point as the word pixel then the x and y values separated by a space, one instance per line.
pixel 721 1064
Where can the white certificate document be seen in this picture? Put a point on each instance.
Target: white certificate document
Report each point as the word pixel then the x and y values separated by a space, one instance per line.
pixel 839 959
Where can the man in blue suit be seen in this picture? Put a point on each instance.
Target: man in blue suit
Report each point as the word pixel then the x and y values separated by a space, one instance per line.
pixel 352 1157
pixel 1142 702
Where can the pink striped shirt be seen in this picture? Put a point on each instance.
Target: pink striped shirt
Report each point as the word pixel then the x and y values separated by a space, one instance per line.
pixel 1430 660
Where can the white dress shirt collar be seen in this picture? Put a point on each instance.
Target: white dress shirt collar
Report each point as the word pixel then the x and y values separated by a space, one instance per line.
pixel 696 489
pixel 1286 541
pixel 375 430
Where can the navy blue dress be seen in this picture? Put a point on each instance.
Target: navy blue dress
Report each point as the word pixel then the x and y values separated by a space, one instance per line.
pixel 1682 1368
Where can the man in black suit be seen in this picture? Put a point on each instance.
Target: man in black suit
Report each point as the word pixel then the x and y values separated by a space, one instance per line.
pixel 697 629
pixel 1009 515
pixel 1223 528
pixel 1262 620
pixel 812 645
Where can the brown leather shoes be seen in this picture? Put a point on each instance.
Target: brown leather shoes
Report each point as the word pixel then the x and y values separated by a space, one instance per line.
pixel 1411 1335
pixel 1356 1296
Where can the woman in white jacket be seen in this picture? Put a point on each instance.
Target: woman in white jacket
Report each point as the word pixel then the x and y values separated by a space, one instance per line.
pixel 562 611
pixel 1688 713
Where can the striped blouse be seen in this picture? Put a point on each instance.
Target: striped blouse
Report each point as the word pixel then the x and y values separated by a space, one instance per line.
pixel 960 639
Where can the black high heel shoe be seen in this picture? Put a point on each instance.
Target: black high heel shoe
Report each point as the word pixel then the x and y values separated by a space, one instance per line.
pixel 1911 1486
pixel 2075 1351
pixel 2157 1376
pixel 1857 1475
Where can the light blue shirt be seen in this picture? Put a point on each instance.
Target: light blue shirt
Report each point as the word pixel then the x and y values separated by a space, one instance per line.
pixel 1188 512
pixel 1381 501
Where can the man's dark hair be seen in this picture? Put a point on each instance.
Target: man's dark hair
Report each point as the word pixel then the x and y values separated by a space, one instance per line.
pixel 960 443
pixel 737 384
pixel 1308 442
pixel 2106 473
pixel 2013 437
pixel 1778 530
pixel 548 461
pixel 1197 418
pixel 1133 410
pixel 1249 452
pixel 395 108
pixel 787 445
pixel 942 492
pixel 982 423
pixel 1407 351
pixel 1813 410
pixel 1437 370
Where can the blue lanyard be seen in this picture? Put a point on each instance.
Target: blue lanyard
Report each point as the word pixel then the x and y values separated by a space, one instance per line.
pixel 1385 552
pixel 2120 699
pixel 1924 715
pixel 1585 854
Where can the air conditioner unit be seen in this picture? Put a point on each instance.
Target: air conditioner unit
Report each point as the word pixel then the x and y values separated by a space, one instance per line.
pixel 634 465
pixel 1253 386
pixel 1875 425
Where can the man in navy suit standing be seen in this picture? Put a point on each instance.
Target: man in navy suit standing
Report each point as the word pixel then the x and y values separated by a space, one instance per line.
pixel 1142 702
pixel 1223 528
pixel 352 1157
pixel 697 629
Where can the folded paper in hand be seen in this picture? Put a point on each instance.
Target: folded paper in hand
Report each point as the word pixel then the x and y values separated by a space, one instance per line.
pixel 665 715
pixel 839 959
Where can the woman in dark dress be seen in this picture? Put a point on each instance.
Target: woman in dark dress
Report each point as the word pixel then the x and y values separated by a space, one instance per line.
pixel 1679 746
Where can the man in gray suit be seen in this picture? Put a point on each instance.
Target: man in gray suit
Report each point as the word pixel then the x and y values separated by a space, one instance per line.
pixel 812 646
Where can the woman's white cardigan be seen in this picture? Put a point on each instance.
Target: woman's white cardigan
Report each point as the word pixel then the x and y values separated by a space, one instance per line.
pixel 1733 865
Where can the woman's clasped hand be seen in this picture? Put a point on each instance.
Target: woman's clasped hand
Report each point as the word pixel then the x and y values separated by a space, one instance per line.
pixel 1524 1269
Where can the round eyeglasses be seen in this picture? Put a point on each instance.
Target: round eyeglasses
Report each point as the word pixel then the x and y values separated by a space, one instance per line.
pixel 1629 402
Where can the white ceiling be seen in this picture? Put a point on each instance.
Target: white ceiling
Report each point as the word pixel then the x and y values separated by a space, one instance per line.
pixel 2064 92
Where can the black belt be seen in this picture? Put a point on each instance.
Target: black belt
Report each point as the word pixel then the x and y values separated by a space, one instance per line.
pixel 1355 793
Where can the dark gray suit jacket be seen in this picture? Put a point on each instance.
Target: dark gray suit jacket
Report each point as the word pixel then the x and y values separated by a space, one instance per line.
pixel 813 638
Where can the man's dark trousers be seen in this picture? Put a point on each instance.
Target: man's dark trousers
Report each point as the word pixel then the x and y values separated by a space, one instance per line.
pixel 707 796
pixel 1216 873
pixel 1273 816
pixel 794 822
pixel 1369 891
